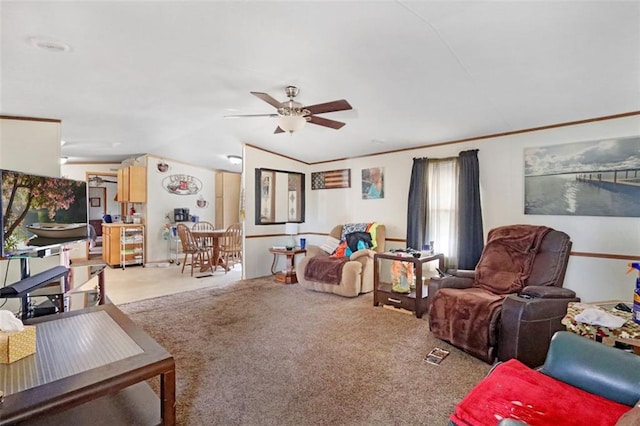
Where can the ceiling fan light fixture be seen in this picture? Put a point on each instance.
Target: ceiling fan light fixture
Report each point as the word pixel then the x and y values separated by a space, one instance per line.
pixel 291 123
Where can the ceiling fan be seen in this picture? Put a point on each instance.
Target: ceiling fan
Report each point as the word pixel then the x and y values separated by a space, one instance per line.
pixel 292 116
pixel 99 181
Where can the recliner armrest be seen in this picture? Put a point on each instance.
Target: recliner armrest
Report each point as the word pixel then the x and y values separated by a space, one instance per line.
pixel 462 273
pixel 449 281
pixel 527 324
pixel 360 253
pixel 594 367
pixel 313 250
pixel 547 292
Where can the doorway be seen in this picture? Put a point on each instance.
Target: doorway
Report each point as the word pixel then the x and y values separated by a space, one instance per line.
pixel 103 188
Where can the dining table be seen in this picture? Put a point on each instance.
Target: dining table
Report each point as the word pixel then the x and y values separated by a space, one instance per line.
pixel 212 237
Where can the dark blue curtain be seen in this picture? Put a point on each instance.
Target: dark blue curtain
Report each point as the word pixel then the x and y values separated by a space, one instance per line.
pixel 417 206
pixel 470 235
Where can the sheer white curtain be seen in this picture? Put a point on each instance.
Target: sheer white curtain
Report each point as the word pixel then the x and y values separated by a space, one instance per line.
pixel 443 208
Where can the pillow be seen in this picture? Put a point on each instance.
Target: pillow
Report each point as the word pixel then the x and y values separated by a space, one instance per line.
pixel 330 244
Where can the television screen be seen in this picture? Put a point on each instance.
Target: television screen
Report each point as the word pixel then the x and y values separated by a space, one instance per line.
pixel 40 211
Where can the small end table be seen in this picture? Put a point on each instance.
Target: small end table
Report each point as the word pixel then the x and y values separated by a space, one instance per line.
pixel 288 276
pixel 417 300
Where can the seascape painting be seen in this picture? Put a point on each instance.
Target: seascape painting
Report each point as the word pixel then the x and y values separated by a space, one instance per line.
pixel 597 178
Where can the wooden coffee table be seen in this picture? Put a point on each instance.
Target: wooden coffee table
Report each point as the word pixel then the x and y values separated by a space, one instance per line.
pixel 84 357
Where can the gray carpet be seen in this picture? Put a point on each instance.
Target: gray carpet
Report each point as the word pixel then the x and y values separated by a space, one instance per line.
pixel 262 353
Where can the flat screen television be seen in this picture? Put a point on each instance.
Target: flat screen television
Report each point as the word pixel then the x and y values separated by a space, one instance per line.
pixel 39 211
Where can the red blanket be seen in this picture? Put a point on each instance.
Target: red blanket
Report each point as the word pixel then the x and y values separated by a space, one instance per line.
pixel 325 269
pixel 515 391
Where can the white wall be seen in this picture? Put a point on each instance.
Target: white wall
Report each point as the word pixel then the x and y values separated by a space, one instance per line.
pixel 31 146
pixel 160 202
pixel 502 191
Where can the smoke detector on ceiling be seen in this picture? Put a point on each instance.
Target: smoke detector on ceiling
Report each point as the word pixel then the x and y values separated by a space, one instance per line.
pixel 49 45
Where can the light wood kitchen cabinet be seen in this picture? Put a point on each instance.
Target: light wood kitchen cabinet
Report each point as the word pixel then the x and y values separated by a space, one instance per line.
pixel 132 184
pixel 227 199
pixel 112 241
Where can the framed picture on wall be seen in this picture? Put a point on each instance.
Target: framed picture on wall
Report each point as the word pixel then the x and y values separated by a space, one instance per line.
pixel 331 179
pixel 94 202
pixel 593 178
pixel 372 183
pixel 267 199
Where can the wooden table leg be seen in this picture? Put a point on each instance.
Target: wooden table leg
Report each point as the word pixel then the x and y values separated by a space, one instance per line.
pixel 101 289
pixel 219 261
pixel 206 264
pixel 273 264
pixel 168 397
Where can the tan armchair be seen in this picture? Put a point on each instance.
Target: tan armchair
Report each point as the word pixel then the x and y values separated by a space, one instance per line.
pixel 357 272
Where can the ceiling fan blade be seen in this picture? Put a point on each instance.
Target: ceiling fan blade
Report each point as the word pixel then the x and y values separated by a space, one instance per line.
pixel 278 130
pixel 268 99
pixel 250 115
pixel 326 122
pixel 340 105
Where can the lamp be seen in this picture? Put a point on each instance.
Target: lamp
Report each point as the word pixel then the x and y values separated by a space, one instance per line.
pixel 234 159
pixel 291 123
pixel 291 229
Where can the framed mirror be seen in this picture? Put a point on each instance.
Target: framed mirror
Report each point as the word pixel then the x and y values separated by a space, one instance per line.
pixel 279 197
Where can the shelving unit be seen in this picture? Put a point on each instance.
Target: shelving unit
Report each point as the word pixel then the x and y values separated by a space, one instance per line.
pixel 131 246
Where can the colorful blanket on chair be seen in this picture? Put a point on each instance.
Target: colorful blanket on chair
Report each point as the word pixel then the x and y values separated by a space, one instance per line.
pixel 325 269
pixel 515 391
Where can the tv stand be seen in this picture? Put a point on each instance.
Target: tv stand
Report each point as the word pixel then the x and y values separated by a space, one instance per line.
pixel 59 296
pixel 23 288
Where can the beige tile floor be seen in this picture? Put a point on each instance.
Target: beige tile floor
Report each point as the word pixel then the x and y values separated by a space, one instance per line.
pixel 137 283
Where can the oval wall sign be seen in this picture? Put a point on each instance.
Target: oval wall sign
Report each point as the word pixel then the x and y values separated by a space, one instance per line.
pixel 182 184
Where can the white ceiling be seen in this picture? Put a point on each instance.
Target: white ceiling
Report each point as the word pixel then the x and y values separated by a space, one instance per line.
pixel 159 77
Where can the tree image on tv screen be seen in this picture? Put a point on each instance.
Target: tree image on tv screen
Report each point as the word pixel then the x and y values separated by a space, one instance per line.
pixel 39 198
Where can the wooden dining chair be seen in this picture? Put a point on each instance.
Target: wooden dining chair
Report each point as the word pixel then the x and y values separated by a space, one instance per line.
pixel 202 226
pixel 231 245
pixel 205 226
pixel 191 247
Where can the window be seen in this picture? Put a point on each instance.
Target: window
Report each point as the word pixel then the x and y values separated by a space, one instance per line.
pixel 442 207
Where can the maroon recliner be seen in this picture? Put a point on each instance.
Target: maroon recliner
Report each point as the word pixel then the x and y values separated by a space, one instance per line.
pixel 512 303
